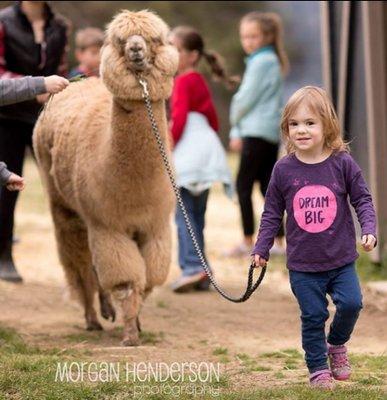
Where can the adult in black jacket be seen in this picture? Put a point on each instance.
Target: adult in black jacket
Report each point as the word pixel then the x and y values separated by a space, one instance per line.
pixel 33 41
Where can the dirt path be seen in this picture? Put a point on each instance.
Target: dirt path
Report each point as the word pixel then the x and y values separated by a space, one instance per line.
pixel 185 327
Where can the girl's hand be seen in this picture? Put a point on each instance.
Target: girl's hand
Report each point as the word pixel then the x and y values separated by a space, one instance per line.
pixel 55 84
pixel 15 182
pixel 368 242
pixel 259 261
pixel 236 145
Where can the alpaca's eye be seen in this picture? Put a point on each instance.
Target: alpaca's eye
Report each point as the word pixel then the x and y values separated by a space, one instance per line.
pixel 157 41
pixel 120 42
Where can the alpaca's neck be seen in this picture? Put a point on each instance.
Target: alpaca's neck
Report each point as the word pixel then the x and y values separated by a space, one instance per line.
pixel 131 140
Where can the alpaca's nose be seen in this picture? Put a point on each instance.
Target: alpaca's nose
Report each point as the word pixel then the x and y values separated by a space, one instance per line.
pixel 136 53
pixel 136 44
pixel 135 47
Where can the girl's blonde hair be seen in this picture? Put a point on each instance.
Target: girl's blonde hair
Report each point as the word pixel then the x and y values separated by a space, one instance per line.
pixel 271 26
pixel 320 103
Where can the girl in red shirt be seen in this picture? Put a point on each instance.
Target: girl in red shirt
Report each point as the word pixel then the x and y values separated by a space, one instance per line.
pixel 198 153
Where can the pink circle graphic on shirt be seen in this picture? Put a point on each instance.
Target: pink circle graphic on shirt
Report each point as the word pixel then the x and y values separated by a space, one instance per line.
pixel 314 208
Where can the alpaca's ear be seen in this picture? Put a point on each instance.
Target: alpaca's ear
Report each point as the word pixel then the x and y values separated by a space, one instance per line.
pixel 167 60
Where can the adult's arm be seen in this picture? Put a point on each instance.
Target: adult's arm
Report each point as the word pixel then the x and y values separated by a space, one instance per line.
pixel 17 90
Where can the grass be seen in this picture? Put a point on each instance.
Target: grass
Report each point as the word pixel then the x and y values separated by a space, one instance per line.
pixel 220 351
pixel 250 364
pixel 289 359
pixel 28 372
pixel 222 354
pixel 146 337
pixel 369 271
pixel 87 337
pixel 152 338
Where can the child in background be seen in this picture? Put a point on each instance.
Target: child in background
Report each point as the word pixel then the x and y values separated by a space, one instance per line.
pixel 313 184
pixel 88 43
pixel 255 116
pixel 199 157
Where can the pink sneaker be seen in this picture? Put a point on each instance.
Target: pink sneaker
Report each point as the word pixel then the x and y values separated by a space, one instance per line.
pixel 339 363
pixel 322 379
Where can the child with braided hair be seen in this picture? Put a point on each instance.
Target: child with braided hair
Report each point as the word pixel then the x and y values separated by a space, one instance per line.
pixel 199 156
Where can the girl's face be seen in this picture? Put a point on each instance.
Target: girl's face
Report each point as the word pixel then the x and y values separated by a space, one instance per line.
pixel 187 59
pixel 306 131
pixel 251 36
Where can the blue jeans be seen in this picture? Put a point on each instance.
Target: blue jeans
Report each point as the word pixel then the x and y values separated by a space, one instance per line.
pixel 196 208
pixel 310 289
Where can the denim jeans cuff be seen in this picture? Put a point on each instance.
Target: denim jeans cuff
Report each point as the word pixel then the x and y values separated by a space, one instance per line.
pixel 192 271
pixel 315 369
pixel 336 342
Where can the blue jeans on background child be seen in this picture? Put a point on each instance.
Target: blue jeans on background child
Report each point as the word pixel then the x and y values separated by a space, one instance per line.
pixel 196 207
pixel 310 289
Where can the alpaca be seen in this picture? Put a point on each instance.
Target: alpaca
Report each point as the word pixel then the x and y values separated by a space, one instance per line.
pixel 110 198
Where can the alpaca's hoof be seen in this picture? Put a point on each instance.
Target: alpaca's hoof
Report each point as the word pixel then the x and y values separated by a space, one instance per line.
pixel 131 341
pixel 107 309
pixel 94 326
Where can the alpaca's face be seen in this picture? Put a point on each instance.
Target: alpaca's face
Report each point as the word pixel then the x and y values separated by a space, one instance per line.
pixel 138 52
pixel 136 42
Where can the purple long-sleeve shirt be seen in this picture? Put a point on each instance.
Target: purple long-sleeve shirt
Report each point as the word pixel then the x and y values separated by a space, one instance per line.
pixel 320 232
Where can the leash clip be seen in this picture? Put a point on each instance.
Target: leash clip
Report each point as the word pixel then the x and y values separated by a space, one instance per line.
pixel 144 85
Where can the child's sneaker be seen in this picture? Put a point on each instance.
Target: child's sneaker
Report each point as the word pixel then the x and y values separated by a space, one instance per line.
pixel 322 379
pixel 186 283
pixel 339 363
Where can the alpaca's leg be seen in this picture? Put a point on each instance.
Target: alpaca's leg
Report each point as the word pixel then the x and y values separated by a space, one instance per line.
pixel 105 302
pixel 156 250
pixel 130 299
pixel 106 306
pixel 75 256
pixel 121 269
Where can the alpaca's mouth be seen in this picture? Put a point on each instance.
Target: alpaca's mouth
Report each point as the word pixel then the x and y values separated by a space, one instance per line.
pixel 138 64
pixel 138 60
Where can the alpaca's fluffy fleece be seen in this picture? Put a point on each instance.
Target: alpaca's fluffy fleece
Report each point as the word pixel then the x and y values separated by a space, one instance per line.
pixel 110 197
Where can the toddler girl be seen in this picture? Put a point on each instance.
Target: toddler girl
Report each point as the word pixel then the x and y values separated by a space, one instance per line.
pixel 313 184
